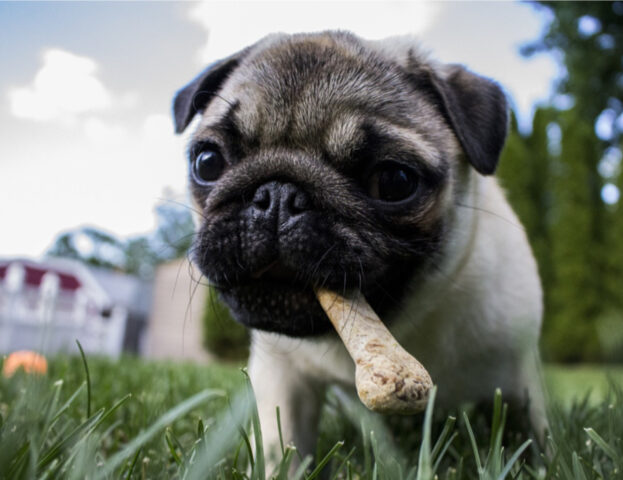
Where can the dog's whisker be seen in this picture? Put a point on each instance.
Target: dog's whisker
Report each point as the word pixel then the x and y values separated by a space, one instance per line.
pixel 316 266
pixel 489 212
pixel 182 204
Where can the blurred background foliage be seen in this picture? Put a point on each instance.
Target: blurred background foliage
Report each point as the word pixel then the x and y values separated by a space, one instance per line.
pixel 138 255
pixel 222 335
pixel 563 177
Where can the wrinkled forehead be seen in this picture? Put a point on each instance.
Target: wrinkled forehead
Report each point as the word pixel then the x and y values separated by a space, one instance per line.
pixel 300 85
pixel 320 90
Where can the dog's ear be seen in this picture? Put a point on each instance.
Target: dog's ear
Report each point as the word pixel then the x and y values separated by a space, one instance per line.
pixel 194 97
pixel 477 111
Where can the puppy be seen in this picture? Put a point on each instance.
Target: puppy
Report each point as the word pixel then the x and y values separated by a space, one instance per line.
pixel 327 160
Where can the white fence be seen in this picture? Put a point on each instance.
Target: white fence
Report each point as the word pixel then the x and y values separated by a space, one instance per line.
pixel 49 320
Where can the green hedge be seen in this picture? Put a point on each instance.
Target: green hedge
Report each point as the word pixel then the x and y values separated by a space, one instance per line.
pixel 222 335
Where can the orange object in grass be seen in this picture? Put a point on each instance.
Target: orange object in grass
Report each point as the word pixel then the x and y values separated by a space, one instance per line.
pixel 30 362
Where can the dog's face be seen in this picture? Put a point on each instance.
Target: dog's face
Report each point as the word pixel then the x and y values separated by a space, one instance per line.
pixel 325 160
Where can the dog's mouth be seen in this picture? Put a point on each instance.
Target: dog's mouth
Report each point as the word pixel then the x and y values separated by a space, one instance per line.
pixel 277 298
pixel 276 271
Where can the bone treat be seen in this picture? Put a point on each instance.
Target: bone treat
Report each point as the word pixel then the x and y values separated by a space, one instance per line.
pixel 388 379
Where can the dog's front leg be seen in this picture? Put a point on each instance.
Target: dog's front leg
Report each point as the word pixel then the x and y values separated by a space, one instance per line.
pixel 277 383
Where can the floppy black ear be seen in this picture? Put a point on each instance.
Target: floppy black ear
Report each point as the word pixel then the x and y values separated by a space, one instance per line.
pixel 477 110
pixel 194 97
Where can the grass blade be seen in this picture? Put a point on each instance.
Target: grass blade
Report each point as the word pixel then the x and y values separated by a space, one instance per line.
pixel 220 438
pixel 513 459
pixel 19 460
pixel 284 465
pixel 325 460
pixel 447 428
pixel 247 443
pixel 86 369
pixel 111 410
pixel 442 454
pixel 279 430
pixel 200 429
pixel 172 448
pixel 472 440
pixel 161 423
pixel 342 464
pixel 425 462
pixel 69 440
pixel 67 404
pixel 599 441
pixel 259 472
pixel 300 472
pixel 578 471
pixel 133 464
pixel 495 422
pixel 367 457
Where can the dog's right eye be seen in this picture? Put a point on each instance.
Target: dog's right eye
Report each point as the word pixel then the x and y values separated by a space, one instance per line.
pixel 208 166
pixel 392 182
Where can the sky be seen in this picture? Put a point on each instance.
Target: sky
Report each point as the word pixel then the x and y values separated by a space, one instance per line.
pixel 86 137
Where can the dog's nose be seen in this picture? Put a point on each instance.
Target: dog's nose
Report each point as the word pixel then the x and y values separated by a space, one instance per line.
pixel 280 201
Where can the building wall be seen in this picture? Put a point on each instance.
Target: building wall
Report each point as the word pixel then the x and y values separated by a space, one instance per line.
pixel 174 328
pixel 46 305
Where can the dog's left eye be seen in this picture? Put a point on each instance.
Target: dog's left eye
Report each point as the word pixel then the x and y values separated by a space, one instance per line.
pixel 392 182
pixel 208 166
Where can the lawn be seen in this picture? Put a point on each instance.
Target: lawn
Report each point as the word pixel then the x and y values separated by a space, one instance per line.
pixel 566 383
pixel 140 419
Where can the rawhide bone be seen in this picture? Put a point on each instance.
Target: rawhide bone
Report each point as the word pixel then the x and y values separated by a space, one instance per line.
pixel 388 379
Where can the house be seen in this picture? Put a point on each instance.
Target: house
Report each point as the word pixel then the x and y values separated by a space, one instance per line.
pixel 46 305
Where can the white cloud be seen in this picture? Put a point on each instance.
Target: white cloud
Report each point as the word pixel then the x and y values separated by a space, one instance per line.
pixel 231 26
pixel 100 132
pixel 65 86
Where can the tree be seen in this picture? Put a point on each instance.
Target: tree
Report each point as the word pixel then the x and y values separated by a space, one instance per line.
pixel 90 245
pixel 570 332
pixel 517 176
pixel 174 234
pixel 137 255
pixel 589 37
pixel 540 163
pixel 611 322
pixel 222 335
pixel 581 258
pixel 525 174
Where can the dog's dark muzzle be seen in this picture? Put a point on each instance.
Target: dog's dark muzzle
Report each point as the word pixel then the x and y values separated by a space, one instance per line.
pixel 266 258
pixel 268 253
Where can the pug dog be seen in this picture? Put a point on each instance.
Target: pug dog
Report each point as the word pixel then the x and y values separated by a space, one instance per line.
pixel 325 160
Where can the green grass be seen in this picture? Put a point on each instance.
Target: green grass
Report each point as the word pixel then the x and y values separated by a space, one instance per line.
pixel 164 420
pixel 29 405
pixel 566 383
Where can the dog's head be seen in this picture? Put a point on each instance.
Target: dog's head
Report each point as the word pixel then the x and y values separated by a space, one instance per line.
pixel 326 160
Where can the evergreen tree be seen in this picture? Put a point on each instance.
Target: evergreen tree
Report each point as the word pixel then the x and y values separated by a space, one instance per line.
pixel 517 177
pixel 570 331
pixel 137 255
pixel 540 163
pixel 589 35
pixel 525 175
pixel 611 322
pixel 583 282
pixel 615 251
